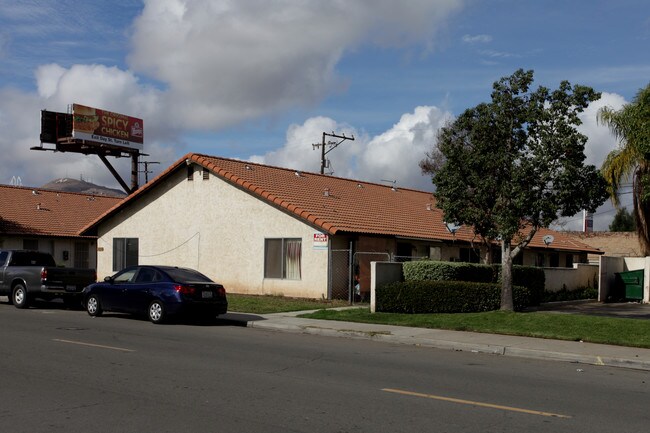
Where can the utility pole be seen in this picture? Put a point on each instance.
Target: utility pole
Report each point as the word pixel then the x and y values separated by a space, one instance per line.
pixel 146 170
pixel 331 144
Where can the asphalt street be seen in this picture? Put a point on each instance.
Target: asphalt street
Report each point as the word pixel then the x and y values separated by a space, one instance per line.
pixel 62 371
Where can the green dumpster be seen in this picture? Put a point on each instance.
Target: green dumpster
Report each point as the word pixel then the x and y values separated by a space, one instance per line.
pixel 633 284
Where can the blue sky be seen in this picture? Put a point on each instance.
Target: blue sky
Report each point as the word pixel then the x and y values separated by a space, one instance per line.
pixel 262 79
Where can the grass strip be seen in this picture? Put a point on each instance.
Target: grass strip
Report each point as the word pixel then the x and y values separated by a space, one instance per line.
pixel 267 304
pixel 573 327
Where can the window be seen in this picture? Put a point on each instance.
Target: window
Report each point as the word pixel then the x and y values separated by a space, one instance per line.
pixel 81 255
pixel 190 172
pixel 554 261
pixel 125 276
pixel 540 261
pixel 3 257
pixel 569 260
pixel 469 255
pixel 282 258
pixel 30 244
pixel 125 253
pixel 148 275
pixel 206 174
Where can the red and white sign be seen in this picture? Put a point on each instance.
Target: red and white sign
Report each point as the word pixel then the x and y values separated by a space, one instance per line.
pixel 101 126
pixel 320 241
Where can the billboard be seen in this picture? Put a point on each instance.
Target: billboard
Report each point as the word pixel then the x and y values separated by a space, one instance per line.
pixel 101 126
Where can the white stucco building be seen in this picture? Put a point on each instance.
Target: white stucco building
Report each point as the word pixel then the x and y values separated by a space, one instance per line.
pixel 259 229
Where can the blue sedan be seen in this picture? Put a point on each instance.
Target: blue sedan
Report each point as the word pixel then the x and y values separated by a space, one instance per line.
pixel 157 291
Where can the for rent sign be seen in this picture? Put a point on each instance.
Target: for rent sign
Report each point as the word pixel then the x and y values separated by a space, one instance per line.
pixel 106 127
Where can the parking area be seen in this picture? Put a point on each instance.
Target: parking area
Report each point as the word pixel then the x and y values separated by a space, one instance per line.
pixel 630 310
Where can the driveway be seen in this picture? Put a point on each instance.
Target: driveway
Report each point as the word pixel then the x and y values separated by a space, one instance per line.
pixel 631 310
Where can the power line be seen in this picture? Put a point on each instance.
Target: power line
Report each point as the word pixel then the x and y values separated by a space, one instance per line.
pixel 332 145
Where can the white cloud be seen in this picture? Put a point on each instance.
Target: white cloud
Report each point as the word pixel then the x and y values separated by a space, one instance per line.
pixel 99 86
pixel 195 64
pixel 473 39
pixel 224 62
pixel 392 155
pixel 600 140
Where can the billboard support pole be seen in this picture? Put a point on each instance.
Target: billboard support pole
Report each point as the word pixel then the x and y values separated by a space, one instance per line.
pixel 115 174
pixel 134 172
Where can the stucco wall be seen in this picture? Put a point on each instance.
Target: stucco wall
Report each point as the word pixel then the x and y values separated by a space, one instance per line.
pixel 609 266
pixel 54 246
pixel 383 273
pixel 218 229
pixel 582 275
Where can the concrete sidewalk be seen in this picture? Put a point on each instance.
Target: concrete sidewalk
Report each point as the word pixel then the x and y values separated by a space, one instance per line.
pixel 537 348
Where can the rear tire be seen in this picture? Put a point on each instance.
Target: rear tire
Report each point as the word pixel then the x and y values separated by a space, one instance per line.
pixel 93 307
pixel 19 296
pixel 156 312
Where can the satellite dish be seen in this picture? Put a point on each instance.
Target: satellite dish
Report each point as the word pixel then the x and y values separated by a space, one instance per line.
pixel 452 227
pixel 548 239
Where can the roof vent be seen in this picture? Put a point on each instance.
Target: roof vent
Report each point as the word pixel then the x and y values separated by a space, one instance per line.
pixel 38 206
pixel 248 167
pixel 297 173
pixel 392 188
pixel 359 185
pixel 428 206
pixel 326 193
pixel 35 192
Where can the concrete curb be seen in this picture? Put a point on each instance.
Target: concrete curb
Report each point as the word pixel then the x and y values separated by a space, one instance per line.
pixel 343 330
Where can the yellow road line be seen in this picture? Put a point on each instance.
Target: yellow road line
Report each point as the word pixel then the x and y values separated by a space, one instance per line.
pixel 475 403
pixel 93 345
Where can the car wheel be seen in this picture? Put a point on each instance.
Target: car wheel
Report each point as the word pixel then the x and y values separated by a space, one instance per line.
pixel 19 296
pixel 93 307
pixel 156 312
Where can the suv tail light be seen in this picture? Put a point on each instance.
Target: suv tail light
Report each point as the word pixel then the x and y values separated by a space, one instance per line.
pixel 43 274
pixel 221 291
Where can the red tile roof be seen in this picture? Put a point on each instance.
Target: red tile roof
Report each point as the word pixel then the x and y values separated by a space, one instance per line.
pixel 33 211
pixel 336 204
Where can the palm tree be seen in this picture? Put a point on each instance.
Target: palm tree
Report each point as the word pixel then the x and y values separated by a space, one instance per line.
pixel 631 160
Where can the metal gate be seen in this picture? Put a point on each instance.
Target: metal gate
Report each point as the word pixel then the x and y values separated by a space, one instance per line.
pixel 343 268
pixel 340 274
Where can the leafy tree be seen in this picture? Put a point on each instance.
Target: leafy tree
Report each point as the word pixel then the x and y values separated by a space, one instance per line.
pixel 631 126
pixel 623 222
pixel 511 166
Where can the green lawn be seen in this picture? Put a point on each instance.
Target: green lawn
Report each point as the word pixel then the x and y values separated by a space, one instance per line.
pixel 277 304
pixel 574 327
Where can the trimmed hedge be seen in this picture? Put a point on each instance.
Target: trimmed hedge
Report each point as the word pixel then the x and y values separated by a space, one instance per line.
pixel 420 297
pixel 427 270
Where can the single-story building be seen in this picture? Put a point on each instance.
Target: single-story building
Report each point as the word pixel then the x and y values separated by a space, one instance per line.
pixel 50 221
pixel 259 229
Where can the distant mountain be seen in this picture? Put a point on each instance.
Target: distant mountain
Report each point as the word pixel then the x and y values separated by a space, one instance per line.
pixel 83 187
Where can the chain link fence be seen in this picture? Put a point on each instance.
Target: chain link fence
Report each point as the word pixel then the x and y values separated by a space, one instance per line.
pixel 344 267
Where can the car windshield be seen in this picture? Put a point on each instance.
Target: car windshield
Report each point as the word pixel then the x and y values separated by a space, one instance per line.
pixel 186 275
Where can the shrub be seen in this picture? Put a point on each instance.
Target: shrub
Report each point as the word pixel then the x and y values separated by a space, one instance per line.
pixel 447 271
pixel 527 276
pixel 445 297
pixel 570 295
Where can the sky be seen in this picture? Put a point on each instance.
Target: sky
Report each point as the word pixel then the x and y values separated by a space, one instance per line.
pixel 261 80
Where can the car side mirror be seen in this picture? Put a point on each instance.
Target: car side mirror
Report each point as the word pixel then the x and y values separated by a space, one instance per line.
pixel 108 279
